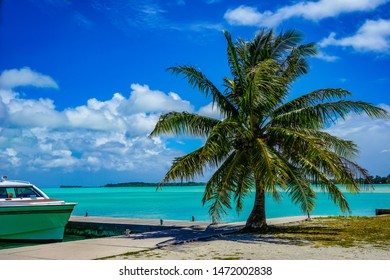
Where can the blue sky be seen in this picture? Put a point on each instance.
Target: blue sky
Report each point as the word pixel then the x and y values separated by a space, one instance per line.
pixel 82 83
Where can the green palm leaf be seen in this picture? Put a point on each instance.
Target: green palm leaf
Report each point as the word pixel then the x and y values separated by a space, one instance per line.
pixel 184 123
pixel 198 79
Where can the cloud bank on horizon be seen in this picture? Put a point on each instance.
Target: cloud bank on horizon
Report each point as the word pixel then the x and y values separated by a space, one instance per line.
pixel 109 135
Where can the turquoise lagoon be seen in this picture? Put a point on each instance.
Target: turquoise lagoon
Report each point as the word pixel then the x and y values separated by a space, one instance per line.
pixel 181 203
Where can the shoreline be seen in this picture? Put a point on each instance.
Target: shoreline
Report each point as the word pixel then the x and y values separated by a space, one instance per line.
pixel 203 241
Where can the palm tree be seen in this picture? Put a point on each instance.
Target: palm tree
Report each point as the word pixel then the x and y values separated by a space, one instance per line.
pixel 266 142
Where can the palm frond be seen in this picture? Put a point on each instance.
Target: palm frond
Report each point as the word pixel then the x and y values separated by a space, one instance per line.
pixel 233 60
pixel 269 167
pixel 319 164
pixel 198 80
pixel 245 183
pixel 312 98
pixel 302 194
pixel 184 123
pixel 293 139
pixel 323 114
pixel 309 150
pixel 326 184
pixel 186 167
pixel 260 48
pixel 298 187
pixel 296 64
pixel 232 177
pixel 267 86
pixel 354 172
pixel 215 150
pixel 218 189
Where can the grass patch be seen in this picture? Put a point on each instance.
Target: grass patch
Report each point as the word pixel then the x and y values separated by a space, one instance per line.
pixel 339 231
pixel 227 258
pixel 134 255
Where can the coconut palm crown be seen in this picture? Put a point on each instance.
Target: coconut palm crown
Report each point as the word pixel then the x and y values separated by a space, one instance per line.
pixel 265 142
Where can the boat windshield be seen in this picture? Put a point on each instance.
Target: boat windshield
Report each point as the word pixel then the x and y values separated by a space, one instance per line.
pixel 19 192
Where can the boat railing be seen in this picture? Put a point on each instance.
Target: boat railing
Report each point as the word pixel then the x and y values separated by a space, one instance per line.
pixel 17 181
pixel 20 181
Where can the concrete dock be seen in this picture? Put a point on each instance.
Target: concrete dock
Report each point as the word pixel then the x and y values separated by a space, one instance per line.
pixel 167 233
pixel 106 226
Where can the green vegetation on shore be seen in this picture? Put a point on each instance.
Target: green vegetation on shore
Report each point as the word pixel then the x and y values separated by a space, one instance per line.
pixel 375 180
pixel 141 184
pixel 379 180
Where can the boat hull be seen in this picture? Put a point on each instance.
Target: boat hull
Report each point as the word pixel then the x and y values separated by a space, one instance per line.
pixel 45 222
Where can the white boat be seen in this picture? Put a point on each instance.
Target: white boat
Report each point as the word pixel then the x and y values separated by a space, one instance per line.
pixel 27 213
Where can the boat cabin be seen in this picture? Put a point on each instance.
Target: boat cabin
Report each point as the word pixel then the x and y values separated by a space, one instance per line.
pixel 10 192
pixel 19 190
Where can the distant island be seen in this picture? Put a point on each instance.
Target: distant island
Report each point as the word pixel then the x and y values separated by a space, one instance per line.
pixel 140 184
pixel 374 180
pixel 143 184
pixel 379 180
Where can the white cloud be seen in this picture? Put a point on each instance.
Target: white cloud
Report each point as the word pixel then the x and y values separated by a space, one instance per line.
pixel 210 110
pixel 30 112
pixel 372 36
pixel 85 117
pixel 250 16
pixel 98 136
pixel 25 77
pixel 10 157
pixel 372 137
pixel 59 159
pixel 326 57
pixel 137 114
pixel 244 15
pixel 143 99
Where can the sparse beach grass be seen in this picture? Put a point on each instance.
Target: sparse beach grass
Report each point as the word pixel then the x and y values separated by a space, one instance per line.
pixel 338 231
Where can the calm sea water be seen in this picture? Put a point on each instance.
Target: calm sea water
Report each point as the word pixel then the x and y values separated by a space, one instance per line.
pixel 181 203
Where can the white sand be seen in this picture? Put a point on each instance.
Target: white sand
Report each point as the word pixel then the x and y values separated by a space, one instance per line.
pixel 256 247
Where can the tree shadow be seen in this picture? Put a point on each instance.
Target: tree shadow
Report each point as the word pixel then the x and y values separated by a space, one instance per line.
pixel 287 234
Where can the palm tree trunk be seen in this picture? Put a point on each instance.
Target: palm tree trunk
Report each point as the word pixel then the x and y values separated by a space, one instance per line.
pixel 257 219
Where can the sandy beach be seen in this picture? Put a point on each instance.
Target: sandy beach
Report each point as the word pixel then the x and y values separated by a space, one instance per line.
pixel 255 246
pixel 258 247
